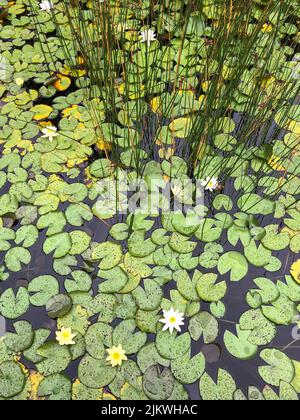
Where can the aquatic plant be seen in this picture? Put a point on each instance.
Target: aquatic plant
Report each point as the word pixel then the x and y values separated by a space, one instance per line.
pixel 211 94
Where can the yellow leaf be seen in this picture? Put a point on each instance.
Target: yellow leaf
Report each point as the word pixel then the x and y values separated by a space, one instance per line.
pixel 291 232
pixel 294 127
pixel 35 379
pixel 155 104
pixel 295 271
pixel 296 381
pixel 181 127
pixel 73 162
pixel 62 83
pixel 267 28
pixel 104 145
pixel 108 396
pixel 71 111
pixel 41 112
pixel 275 163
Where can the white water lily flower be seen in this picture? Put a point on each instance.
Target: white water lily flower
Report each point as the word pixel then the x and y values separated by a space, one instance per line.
pixel 210 184
pixel 172 320
pixel 148 36
pixel 178 191
pixel 46 5
pixel 49 132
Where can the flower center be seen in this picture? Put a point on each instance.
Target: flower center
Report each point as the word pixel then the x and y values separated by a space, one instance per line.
pixel 66 335
pixel 172 320
pixel 116 356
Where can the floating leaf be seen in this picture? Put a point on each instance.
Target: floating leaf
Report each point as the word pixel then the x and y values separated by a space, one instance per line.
pixel 56 358
pixel 262 330
pixel 95 373
pixel 257 256
pixel 239 346
pixel 116 279
pixel 13 305
pixel 280 367
pixel 158 385
pixel 235 263
pixel 12 379
pixel 124 334
pixel 209 290
pixel 55 387
pixel 204 324
pixel 60 244
pixel 27 236
pixel 58 306
pixel 149 297
pixel 42 289
pixel 15 257
pixel 109 254
pixel 223 390
pixel 188 370
pixel 22 339
pixel 171 347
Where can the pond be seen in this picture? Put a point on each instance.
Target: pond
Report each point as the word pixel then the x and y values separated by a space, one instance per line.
pixel 197 295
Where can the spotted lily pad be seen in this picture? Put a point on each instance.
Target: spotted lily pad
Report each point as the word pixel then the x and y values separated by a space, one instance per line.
pixel 223 390
pixel 280 367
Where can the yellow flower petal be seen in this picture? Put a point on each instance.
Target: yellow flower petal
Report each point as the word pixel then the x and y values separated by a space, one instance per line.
pixel 116 356
pixel 65 337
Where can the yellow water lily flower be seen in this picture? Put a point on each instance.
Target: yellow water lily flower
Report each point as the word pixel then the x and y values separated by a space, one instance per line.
pixel 295 271
pixel 116 355
pixel 65 337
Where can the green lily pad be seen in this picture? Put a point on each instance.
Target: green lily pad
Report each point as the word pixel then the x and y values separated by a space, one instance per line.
pixel 56 358
pixel 97 336
pixel 234 262
pixel 188 370
pixel 148 297
pixel 13 305
pixel 95 373
pixel 60 244
pixel 116 279
pixel 204 324
pixel 239 346
pixel 15 257
pixel 27 236
pixel 275 241
pixel 171 347
pixel 81 282
pixel 158 385
pixel 209 290
pixel 56 388
pixel 262 330
pixel 109 254
pixel 130 341
pixel 223 390
pixel 280 367
pixel 42 289
pixel 22 339
pixel 12 379
pixel 257 256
